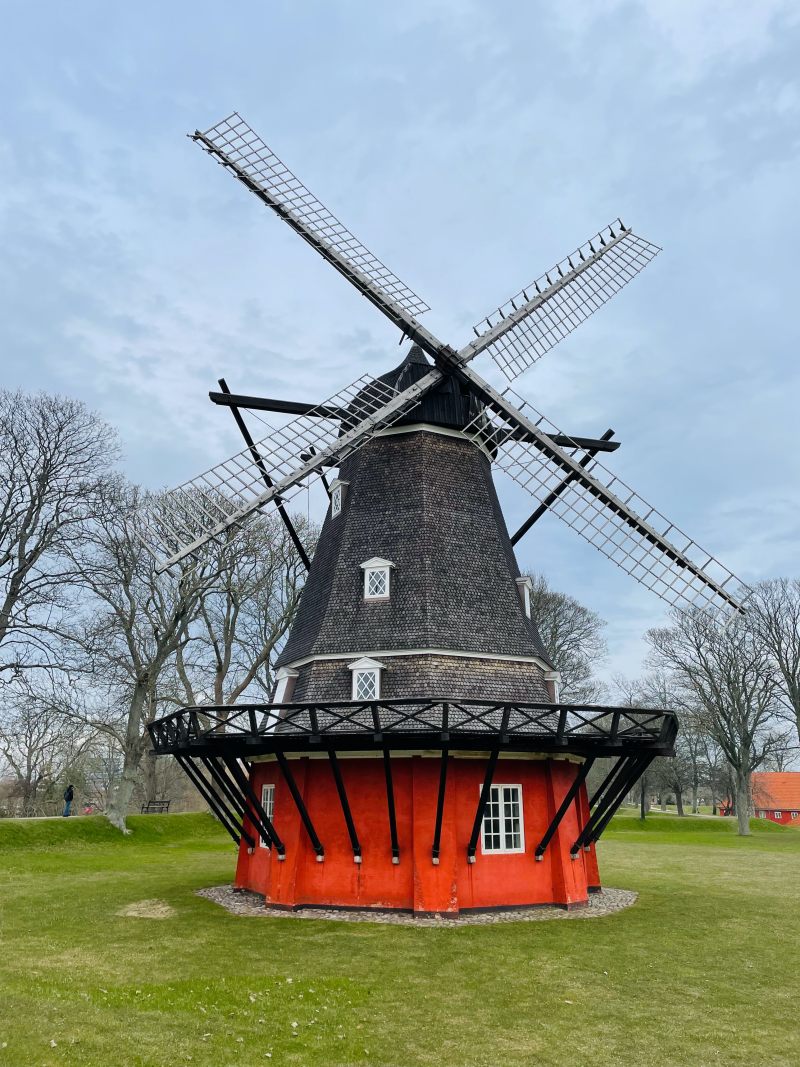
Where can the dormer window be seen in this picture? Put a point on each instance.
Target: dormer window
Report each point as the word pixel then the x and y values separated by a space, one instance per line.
pixel 366 679
pixel 338 489
pixel 377 578
pixel 525 587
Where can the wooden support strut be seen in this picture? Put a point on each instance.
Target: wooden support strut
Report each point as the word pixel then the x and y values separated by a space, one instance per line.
pixel 482 802
pixel 437 829
pixel 644 763
pixel 387 771
pixel 236 831
pixel 236 800
pixel 348 815
pixel 243 782
pixel 572 792
pixel 286 771
pixel 551 498
pixel 486 787
pixel 629 772
pixel 259 462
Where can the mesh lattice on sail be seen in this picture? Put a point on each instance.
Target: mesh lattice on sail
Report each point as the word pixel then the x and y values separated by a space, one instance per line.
pixel 614 519
pixel 243 147
pixel 564 298
pixel 220 499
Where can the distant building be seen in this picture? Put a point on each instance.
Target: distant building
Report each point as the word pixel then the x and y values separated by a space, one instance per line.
pixel 776 795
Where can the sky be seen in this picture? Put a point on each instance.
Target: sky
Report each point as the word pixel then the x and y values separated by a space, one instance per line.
pixel 470 146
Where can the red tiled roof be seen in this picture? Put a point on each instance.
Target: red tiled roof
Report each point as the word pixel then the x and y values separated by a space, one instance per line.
pixel 778 790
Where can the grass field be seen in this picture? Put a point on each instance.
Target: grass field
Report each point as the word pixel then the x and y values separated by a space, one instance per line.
pixel 703 970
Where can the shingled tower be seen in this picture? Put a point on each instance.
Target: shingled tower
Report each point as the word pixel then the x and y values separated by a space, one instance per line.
pixel 414 571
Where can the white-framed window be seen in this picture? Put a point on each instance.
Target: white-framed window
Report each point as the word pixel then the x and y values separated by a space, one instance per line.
pixel 503 829
pixel 762 815
pixel 794 814
pixel 337 496
pixel 366 685
pixel 377 578
pixel 366 679
pixel 525 585
pixel 268 804
pixel 778 814
pixel 284 685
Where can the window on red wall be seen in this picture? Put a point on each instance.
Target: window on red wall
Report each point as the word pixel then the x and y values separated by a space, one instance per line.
pixel 268 804
pixel 502 829
pixel 778 815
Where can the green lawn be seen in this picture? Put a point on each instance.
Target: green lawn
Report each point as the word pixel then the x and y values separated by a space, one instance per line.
pixel 703 970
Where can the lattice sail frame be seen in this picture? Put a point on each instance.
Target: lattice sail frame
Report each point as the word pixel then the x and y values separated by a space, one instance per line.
pixel 528 325
pixel 242 147
pixel 606 529
pixel 182 520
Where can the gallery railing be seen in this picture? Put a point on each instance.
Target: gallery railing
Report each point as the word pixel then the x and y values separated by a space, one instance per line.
pixel 382 721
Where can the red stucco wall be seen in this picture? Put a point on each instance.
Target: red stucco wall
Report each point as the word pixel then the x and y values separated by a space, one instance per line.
pixel 492 881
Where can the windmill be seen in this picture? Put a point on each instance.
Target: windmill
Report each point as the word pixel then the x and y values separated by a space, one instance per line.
pixel 434 392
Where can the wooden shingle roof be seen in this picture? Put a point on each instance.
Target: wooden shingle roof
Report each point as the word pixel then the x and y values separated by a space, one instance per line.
pixel 427 502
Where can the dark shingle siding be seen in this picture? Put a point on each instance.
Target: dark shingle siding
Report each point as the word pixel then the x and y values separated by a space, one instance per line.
pixel 427 503
pixel 428 676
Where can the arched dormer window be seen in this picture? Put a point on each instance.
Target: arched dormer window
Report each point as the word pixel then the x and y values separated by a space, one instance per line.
pixel 377 578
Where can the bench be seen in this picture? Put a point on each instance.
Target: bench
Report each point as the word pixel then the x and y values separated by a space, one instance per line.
pixel 155 807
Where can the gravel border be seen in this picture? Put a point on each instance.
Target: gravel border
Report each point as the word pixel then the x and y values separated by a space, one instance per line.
pixel 251 905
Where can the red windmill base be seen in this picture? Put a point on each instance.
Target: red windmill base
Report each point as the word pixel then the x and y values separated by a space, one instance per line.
pixel 424 806
pixel 505 871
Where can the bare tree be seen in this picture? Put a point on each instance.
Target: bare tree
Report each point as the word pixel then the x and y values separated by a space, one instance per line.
pixel 135 623
pixel 775 610
pixel 730 676
pixel 54 455
pixel 573 637
pixel 38 744
pixel 244 615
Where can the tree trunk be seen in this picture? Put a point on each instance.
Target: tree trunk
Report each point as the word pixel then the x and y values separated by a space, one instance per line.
pixel 149 780
pixel 662 799
pixel 644 799
pixel 133 750
pixel 695 804
pixel 118 808
pixel 679 802
pixel 743 802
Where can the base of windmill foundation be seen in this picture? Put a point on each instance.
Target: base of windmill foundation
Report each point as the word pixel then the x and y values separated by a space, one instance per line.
pixel 397 868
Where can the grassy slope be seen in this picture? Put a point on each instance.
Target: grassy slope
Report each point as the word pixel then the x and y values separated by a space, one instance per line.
pixel 701 971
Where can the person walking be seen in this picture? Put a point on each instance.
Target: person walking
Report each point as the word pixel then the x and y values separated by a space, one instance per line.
pixel 69 794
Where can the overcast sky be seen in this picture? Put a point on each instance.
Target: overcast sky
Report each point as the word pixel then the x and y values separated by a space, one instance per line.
pixel 470 145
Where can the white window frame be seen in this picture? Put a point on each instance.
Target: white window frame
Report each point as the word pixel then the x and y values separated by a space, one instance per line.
pixel 338 489
pixel 361 667
pixel 268 804
pixel 284 684
pixel 762 815
pixel 525 586
pixel 377 566
pixel 504 850
pixel 795 814
pixel 778 814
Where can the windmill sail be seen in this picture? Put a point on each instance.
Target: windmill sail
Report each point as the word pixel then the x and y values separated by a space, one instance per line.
pixel 604 510
pixel 240 149
pixel 527 326
pixel 214 504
